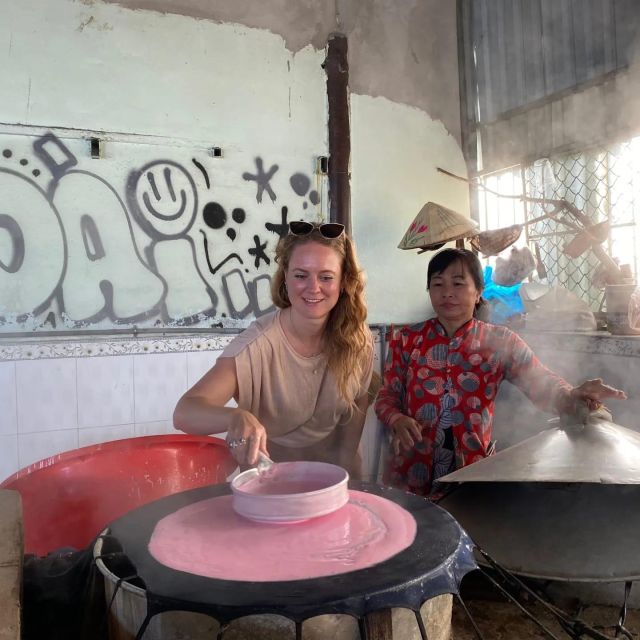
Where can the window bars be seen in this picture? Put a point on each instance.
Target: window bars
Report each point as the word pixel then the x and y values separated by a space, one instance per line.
pixel 603 184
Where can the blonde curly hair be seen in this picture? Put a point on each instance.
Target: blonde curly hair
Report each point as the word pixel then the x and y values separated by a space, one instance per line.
pixel 347 339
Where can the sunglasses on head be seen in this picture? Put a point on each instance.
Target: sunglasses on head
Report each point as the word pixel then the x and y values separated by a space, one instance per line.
pixel 329 230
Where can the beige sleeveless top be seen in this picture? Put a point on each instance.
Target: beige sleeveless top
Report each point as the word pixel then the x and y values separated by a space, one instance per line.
pixel 296 398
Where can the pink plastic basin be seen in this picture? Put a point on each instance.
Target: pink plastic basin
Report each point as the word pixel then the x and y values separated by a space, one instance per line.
pixel 290 491
pixel 69 498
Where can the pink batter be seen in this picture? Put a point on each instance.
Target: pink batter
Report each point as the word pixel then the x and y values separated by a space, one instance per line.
pixel 209 539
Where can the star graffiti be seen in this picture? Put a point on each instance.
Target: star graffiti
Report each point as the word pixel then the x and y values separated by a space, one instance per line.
pixel 262 179
pixel 258 252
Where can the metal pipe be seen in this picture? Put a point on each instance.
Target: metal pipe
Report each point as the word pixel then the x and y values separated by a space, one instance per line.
pixel 337 68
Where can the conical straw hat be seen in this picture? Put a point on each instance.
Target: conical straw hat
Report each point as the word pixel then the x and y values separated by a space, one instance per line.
pixel 434 226
pixel 491 243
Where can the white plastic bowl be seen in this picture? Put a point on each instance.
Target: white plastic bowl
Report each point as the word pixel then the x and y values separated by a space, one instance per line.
pixel 290 492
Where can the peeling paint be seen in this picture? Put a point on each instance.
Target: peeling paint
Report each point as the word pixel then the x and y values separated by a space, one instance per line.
pixel 299 22
pixel 227 84
pixel 405 51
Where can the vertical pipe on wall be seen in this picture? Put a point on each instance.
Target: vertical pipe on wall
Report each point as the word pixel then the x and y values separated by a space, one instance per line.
pixel 468 113
pixel 337 70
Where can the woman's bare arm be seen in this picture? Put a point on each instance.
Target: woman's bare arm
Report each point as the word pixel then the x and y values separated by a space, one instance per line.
pixel 201 410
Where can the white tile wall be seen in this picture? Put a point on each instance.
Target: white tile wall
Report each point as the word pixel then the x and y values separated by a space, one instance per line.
pixel 8 414
pixel 8 456
pixel 198 363
pixel 46 395
pixel 105 391
pixel 369 445
pixel 53 405
pixel 36 446
pixel 160 427
pixel 159 381
pixel 95 435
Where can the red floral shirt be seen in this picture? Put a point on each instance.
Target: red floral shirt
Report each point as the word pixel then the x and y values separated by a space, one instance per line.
pixel 449 385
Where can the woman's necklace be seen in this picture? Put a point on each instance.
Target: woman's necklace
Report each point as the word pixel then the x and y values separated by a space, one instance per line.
pixel 301 344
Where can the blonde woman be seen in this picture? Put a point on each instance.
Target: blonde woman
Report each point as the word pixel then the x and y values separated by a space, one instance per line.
pixel 299 375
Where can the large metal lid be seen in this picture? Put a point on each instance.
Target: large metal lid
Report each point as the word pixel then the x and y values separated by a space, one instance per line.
pixel 597 451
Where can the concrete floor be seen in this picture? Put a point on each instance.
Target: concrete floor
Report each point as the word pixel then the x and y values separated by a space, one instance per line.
pixel 499 620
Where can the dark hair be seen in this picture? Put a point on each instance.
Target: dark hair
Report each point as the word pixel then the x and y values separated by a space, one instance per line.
pixel 468 259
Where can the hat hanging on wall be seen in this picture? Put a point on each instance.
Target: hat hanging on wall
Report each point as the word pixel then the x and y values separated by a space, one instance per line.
pixel 491 243
pixel 436 225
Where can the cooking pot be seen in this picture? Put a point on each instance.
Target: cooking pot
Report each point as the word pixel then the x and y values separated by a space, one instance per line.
pixel 561 505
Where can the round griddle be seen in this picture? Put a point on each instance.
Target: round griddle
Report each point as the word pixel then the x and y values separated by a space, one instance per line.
pixel 434 564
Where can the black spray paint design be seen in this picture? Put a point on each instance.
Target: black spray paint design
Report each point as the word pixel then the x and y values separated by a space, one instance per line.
pixel 262 179
pixel 162 200
pixel 203 171
pixel 300 184
pixel 281 229
pixel 258 252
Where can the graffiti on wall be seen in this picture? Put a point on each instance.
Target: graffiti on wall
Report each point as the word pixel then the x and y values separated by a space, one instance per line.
pixel 155 246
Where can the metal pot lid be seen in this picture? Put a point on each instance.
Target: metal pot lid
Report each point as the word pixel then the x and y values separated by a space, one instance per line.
pixel 596 451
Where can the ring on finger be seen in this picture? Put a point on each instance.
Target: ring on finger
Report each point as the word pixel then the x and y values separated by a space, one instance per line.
pixel 237 442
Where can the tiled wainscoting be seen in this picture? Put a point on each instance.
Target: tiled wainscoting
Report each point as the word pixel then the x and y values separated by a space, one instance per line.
pixel 58 396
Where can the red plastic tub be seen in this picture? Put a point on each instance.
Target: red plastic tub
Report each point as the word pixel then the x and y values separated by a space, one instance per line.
pixel 69 498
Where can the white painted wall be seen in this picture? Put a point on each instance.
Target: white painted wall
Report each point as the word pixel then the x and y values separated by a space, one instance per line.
pixel 89 65
pixel 160 91
pixel 396 151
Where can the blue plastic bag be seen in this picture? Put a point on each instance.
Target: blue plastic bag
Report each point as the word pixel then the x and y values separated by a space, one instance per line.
pixel 505 302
